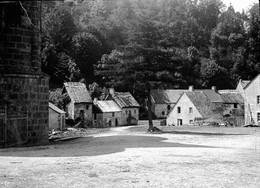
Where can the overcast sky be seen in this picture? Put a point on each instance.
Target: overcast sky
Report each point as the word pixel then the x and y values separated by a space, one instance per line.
pixel 240 4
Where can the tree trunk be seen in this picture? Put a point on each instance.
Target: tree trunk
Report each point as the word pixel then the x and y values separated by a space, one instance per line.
pixel 149 104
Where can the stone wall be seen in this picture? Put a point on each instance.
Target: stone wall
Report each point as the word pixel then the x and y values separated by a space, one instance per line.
pixel 161 110
pixel 24 88
pixel 20 42
pixel 130 116
pixel 87 108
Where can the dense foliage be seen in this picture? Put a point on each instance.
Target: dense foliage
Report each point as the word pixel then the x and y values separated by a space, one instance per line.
pixel 136 45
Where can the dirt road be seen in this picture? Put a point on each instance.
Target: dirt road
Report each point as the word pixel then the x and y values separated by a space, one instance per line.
pixel 129 157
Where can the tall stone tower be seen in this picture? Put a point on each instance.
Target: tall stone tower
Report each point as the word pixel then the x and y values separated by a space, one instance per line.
pixel 23 87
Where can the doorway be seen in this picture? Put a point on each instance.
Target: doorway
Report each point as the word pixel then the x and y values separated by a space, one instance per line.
pixel 179 122
pixel 116 123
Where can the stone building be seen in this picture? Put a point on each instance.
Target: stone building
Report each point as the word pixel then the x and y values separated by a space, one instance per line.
pixel 106 114
pixel 164 100
pixel 128 105
pixel 79 104
pixel 23 87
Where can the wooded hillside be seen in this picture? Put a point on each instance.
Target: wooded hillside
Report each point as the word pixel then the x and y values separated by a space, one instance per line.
pixel 127 44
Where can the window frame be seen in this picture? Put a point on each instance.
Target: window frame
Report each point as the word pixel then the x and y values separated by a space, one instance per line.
pixel 258 116
pixel 178 109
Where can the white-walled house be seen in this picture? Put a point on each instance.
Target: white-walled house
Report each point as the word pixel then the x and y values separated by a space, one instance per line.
pixel 106 114
pixel 252 102
pixel 208 105
pixel 56 118
pixel 191 105
pixel 80 103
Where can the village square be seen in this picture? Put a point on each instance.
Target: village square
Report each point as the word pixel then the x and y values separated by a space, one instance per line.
pixel 129 94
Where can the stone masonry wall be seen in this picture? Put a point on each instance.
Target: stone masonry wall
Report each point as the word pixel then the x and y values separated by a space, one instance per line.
pixel 20 43
pixel 24 88
pixel 27 108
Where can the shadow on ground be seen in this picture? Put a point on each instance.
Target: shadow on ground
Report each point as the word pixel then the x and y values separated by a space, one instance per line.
pixel 94 146
pixel 201 133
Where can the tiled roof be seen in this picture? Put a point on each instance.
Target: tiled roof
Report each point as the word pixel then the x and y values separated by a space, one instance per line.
pixel 212 95
pixel 78 92
pixel 232 98
pixel 55 108
pixel 202 103
pixel 166 96
pixel 108 106
pixel 125 99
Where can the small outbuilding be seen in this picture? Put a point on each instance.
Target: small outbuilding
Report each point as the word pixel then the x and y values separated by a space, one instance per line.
pixel 56 118
pixel 106 114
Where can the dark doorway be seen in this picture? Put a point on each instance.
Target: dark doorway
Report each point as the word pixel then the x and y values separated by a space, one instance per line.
pixel 81 114
pixel 179 123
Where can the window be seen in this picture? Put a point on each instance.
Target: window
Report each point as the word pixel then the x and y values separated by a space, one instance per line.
pixel 169 107
pixel 163 113
pixel 179 122
pixel 87 106
pixel 190 110
pixel 258 116
pixel 126 112
pixel 135 111
pixel 179 109
pixel 113 114
pixel 258 99
pixel 191 121
pixel 235 105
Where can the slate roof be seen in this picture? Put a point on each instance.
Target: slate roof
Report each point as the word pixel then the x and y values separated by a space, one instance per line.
pixel 125 100
pixel 172 95
pixel 56 109
pixel 232 98
pixel 212 95
pixel 108 106
pixel 201 102
pixel 166 96
pixel 78 92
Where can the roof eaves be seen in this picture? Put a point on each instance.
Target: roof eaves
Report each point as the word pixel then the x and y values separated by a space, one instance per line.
pixel 251 82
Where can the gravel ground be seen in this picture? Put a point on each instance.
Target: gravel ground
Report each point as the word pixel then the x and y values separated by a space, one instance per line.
pixel 131 157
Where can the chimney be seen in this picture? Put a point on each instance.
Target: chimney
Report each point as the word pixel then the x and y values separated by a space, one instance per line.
pixel 191 88
pixel 111 91
pixel 214 88
pixel 95 100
